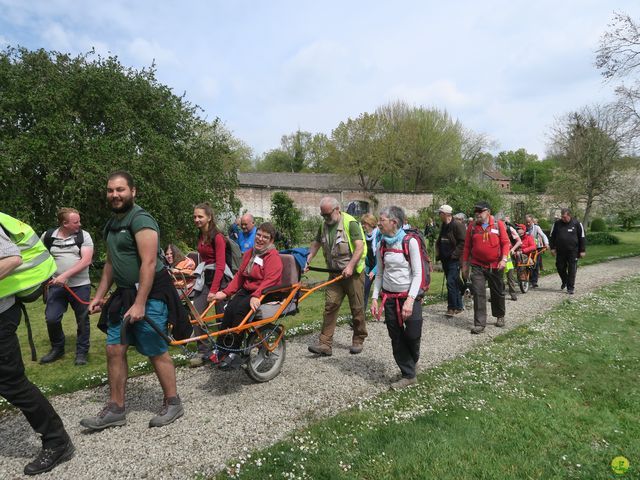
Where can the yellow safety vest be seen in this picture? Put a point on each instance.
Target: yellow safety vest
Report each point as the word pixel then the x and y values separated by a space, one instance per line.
pixel 336 257
pixel 37 264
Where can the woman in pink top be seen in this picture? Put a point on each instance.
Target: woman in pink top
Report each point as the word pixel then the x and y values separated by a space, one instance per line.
pixel 212 251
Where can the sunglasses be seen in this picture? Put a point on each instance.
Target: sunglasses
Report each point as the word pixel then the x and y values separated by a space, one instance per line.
pixel 327 215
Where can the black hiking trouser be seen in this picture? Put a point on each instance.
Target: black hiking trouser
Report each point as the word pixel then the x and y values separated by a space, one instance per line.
pixel 567 265
pixel 494 277
pixel 19 391
pixel 405 338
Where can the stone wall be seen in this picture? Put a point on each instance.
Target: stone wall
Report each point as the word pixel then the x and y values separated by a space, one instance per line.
pixel 257 200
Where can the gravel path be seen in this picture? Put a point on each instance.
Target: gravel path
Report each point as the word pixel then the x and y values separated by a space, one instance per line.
pixel 256 415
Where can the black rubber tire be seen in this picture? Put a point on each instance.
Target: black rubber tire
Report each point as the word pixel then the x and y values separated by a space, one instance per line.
pixel 263 365
pixel 524 285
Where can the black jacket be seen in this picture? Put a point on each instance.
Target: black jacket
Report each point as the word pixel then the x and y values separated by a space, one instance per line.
pixel 450 242
pixel 567 237
pixel 163 289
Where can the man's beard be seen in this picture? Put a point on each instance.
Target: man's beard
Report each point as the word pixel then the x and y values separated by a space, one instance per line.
pixel 126 206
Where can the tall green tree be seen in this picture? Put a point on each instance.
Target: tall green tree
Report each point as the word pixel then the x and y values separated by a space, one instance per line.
pixel 67 122
pixel 358 149
pixel 588 145
pixel 514 162
pixel 464 194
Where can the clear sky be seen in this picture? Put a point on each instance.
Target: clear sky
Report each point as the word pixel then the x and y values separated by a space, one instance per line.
pixel 267 68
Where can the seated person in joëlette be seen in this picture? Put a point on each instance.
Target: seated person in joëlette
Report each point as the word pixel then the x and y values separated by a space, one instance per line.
pixel 260 269
pixel 178 260
pixel 528 244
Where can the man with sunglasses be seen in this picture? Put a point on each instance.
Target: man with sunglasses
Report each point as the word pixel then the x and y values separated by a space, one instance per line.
pixel 343 244
pixel 486 251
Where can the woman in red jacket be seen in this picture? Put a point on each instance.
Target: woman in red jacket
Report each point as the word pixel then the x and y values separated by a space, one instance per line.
pixel 212 251
pixel 261 268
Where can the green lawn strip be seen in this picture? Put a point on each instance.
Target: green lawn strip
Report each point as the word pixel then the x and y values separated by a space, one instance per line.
pixel 557 398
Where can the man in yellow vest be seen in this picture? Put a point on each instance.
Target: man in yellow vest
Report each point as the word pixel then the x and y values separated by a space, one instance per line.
pixel 342 240
pixel 20 262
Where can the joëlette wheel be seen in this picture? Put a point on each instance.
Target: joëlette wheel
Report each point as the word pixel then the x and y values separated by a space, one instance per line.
pixel 264 365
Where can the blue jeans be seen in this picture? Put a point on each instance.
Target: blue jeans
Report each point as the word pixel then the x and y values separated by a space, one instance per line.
pixel 58 299
pixel 451 270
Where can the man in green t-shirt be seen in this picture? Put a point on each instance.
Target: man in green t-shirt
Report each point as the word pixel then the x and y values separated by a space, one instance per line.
pixel 342 240
pixel 144 291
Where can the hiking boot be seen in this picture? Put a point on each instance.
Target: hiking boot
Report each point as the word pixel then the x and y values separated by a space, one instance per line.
pixel 534 285
pixel 450 313
pixel 233 361
pixel 53 355
pixel 403 383
pixel 197 360
pixel 570 292
pixel 476 330
pixel 500 322
pixel 49 458
pixel 321 349
pixel 457 312
pixel 356 348
pixel 81 359
pixel 514 297
pixel 563 286
pixel 170 412
pixel 111 416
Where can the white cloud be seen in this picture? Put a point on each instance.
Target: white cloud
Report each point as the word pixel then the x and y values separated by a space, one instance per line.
pixel 146 51
pixel 441 93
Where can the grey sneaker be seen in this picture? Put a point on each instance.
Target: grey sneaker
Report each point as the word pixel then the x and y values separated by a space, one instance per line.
pixel 500 322
pixel 477 330
pixel 356 348
pixel 111 416
pixel 403 383
pixel 170 412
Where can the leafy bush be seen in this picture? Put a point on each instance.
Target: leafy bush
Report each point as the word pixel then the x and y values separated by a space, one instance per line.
pixel 601 238
pixel 545 224
pixel 598 225
pixel 309 228
pixel 286 219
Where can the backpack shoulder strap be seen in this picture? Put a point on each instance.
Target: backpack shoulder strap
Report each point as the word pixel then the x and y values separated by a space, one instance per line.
pixel 48 238
pixel 79 238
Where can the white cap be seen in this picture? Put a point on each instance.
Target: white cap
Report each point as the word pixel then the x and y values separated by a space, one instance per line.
pixel 446 209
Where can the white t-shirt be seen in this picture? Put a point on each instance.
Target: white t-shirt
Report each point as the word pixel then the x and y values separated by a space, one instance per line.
pixel 66 254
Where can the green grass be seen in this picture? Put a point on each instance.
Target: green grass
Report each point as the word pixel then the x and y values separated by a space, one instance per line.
pixel 554 399
pixel 63 376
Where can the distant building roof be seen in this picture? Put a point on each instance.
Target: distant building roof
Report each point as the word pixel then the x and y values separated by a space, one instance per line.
pixel 496 175
pixel 304 181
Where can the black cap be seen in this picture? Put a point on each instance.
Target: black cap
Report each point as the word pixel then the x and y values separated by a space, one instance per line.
pixel 482 206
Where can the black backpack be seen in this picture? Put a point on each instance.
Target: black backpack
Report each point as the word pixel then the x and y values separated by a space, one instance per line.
pixel 48 238
pixel 233 255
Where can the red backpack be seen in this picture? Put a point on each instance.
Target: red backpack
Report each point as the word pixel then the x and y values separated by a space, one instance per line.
pixel 425 261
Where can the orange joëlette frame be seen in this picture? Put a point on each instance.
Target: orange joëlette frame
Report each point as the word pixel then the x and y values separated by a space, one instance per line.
pixel 532 257
pixel 246 322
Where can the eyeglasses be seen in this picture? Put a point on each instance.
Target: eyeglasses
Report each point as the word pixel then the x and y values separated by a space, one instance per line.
pixel 328 215
pixel 263 236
